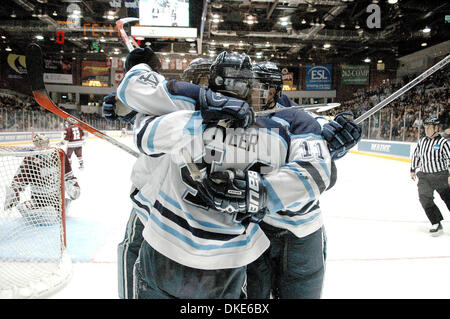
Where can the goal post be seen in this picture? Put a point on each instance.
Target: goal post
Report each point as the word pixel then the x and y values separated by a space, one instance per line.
pixel 34 262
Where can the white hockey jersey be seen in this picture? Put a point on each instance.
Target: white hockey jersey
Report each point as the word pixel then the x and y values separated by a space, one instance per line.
pixel 287 149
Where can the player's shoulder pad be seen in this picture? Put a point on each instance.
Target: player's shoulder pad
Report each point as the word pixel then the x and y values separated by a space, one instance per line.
pixel 270 124
pixel 185 89
pixel 300 122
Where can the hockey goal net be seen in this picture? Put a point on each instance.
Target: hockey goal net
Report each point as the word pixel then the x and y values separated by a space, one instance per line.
pixel 33 259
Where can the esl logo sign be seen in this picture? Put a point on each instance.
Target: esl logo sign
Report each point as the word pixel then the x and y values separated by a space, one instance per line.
pixel 318 77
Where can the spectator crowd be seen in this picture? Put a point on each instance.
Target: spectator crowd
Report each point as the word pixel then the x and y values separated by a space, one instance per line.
pixel 400 120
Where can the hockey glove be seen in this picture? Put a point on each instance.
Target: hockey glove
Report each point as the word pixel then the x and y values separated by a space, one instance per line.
pixel 215 107
pixel 341 135
pixel 235 192
pixel 109 107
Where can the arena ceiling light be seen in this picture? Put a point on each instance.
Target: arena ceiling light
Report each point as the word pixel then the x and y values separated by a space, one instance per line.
pixel 392 1
pixel 250 19
pixel 326 46
pixel 426 30
pixel 367 60
pixel 39 37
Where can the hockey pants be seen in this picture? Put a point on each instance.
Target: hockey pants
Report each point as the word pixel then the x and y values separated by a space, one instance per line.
pixel 158 277
pixel 291 268
pixel 428 183
pixel 127 253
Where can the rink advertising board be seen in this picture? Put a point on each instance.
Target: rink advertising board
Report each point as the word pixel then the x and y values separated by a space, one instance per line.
pixel 318 77
pixel 355 74
pixel 402 149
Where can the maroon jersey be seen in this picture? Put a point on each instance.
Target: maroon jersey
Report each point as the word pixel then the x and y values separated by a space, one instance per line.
pixel 74 136
pixel 42 166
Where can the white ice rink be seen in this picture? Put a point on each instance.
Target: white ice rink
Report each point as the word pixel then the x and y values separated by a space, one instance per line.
pixel 378 241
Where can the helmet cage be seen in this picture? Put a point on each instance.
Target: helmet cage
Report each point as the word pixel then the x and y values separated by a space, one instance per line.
pixel 197 72
pixel 231 74
pixel 268 73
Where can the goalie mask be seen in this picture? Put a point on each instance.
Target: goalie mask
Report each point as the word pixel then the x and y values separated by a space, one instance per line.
pixel 197 72
pixel 231 75
pixel 268 77
pixel 40 140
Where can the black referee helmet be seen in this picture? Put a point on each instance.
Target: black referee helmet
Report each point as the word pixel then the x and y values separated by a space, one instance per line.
pixel 432 120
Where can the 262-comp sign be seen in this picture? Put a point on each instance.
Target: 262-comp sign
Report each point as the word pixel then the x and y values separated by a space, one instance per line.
pixel 355 74
pixel 318 77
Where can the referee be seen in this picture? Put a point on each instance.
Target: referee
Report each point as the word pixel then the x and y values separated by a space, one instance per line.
pixel 432 159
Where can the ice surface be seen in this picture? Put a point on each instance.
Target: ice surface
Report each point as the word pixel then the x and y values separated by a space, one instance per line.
pixel 378 243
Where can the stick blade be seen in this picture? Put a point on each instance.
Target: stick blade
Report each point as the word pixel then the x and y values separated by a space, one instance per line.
pixel 34 67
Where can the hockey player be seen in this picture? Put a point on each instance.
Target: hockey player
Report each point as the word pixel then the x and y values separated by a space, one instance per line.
pixel 113 109
pixel 221 201
pixel 294 264
pixel 341 133
pixel 184 236
pixel 197 72
pixel 75 138
pixel 176 97
pixel 32 208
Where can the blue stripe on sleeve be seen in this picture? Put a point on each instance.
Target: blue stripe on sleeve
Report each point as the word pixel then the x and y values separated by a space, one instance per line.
pixel 151 137
pixel 295 222
pixel 303 179
pixel 191 128
pixel 306 135
pixel 281 121
pixel 274 203
pixel 125 84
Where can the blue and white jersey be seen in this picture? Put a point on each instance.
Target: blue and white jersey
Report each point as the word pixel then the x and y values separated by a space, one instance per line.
pixel 287 149
pixel 295 187
pixel 177 221
pixel 145 91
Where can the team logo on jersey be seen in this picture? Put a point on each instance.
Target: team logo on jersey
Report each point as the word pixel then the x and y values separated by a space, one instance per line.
pixel 149 78
pixel 436 147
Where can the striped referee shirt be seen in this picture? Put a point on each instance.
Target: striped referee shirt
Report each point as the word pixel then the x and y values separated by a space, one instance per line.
pixel 431 155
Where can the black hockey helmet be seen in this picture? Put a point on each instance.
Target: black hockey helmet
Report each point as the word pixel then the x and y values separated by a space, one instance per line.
pixel 143 55
pixel 432 120
pixel 197 71
pixel 267 73
pixel 231 74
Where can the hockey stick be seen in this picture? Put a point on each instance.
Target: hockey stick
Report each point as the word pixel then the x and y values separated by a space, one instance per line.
pixel 35 72
pixel 404 89
pixel 129 42
pixel 306 107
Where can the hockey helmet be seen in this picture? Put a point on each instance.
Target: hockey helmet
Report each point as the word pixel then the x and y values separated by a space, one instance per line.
pixel 231 74
pixel 268 76
pixel 40 140
pixel 432 120
pixel 143 55
pixel 197 72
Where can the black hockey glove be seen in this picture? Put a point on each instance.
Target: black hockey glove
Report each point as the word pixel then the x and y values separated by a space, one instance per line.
pixel 110 112
pixel 341 135
pixel 109 107
pixel 215 107
pixel 235 192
